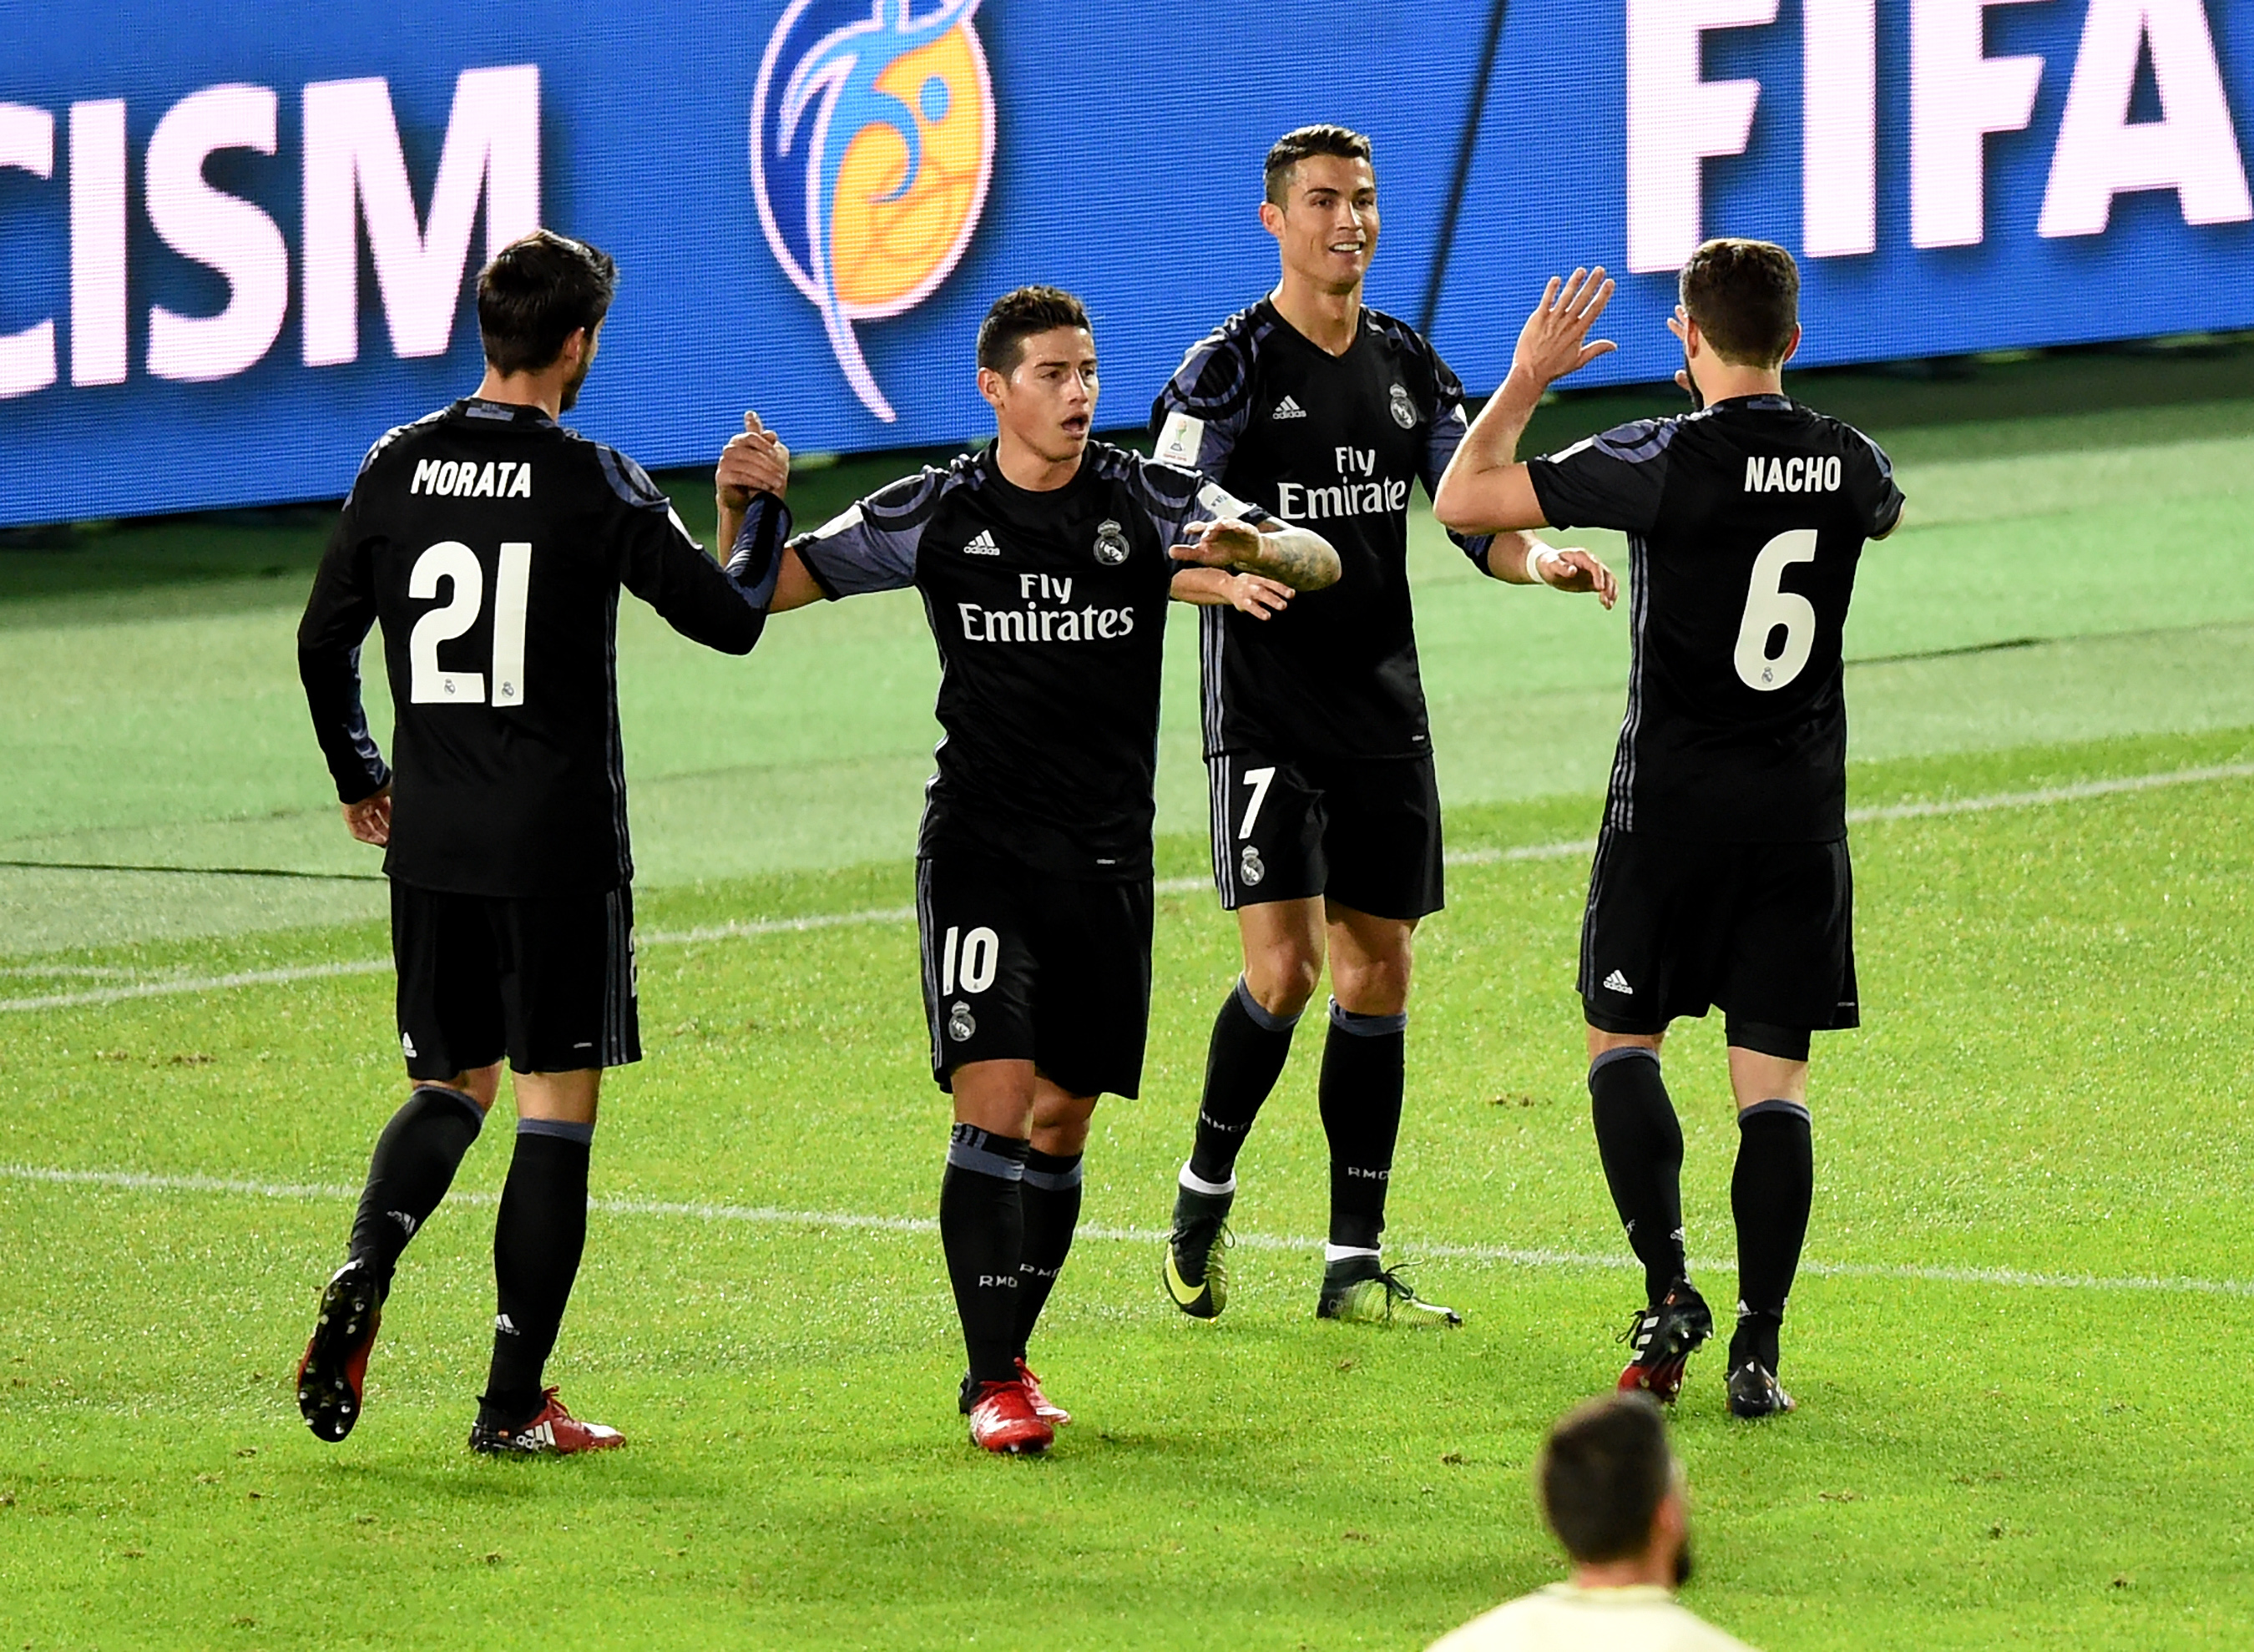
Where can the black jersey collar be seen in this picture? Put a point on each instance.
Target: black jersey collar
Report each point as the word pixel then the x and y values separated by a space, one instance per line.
pixel 1762 403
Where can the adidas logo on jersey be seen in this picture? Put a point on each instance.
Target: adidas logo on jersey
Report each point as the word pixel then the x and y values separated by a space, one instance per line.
pixel 1287 408
pixel 983 545
pixel 1618 983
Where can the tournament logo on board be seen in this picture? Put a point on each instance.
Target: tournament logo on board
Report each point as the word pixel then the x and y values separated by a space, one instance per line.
pixel 872 144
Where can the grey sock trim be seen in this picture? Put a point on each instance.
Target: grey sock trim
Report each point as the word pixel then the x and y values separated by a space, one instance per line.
pixel 1367 1026
pixel 1793 1108
pixel 1052 1181
pixel 967 1150
pixel 562 1130
pixel 1623 1053
pixel 469 1102
pixel 1261 1017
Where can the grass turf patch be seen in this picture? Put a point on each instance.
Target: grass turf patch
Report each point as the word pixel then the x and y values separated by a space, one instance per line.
pixel 1975 1458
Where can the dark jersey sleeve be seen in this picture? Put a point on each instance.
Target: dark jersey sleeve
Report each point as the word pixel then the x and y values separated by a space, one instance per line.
pixel 1174 496
pixel 1198 416
pixel 1612 480
pixel 338 615
pixel 654 558
pixel 1877 497
pixel 1442 438
pixel 871 546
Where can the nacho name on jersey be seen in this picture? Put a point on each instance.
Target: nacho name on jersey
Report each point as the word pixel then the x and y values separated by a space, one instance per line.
pixel 1809 475
pixel 503 478
pixel 1048 616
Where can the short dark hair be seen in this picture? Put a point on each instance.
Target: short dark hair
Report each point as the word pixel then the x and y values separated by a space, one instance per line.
pixel 1744 295
pixel 539 290
pixel 1602 1473
pixel 1294 147
pixel 1017 316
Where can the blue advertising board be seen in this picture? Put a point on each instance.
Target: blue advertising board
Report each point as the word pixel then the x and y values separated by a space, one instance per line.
pixel 234 249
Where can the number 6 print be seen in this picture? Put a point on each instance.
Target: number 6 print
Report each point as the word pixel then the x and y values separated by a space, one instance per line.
pixel 980 956
pixel 1768 605
pixel 457 563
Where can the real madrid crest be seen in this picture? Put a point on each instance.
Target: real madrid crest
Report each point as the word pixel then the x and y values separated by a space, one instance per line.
pixel 1249 872
pixel 1404 411
pixel 960 1025
pixel 1110 544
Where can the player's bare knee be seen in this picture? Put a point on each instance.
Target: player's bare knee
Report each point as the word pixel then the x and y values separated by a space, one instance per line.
pixel 480 1084
pixel 1372 986
pixel 1283 979
pixel 1602 1042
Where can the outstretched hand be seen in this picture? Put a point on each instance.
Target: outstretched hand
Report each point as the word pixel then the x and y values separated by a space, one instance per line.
pixel 1576 569
pixel 755 462
pixel 1219 544
pixel 1555 340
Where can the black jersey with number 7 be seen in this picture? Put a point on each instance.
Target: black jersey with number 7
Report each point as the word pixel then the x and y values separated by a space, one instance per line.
pixel 491 544
pixel 1745 521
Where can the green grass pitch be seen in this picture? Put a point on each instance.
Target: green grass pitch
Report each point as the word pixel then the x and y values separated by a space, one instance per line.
pixel 2017 1344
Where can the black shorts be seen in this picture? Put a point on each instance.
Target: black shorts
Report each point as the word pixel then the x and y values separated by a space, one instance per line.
pixel 1765 930
pixel 1362 831
pixel 1021 966
pixel 547 981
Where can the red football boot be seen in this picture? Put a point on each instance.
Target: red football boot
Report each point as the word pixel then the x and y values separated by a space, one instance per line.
pixel 1044 1408
pixel 334 1370
pixel 1662 1339
pixel 1002 1419
pixel 553 1431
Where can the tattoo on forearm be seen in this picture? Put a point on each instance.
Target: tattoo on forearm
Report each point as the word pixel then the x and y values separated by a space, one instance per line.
pixel 1297 560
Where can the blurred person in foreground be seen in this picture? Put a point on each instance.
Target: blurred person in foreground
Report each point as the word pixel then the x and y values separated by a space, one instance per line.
pixel 1614 1493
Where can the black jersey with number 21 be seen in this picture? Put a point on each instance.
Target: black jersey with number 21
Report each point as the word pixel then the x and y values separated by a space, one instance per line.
pixel 1049 610
pixel 492 543
pixel 1745 523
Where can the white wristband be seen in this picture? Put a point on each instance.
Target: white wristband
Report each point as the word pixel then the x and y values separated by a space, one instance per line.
pixel 1535 554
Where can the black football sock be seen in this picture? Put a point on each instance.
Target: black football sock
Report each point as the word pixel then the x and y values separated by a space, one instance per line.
pixel 1050 1198
pixel 1769 1195
pixel 1243 1062
pixel 413 1165
pixel 1640 1141
pixel 1361 1097
pixel 982 1227
pixel 537 1241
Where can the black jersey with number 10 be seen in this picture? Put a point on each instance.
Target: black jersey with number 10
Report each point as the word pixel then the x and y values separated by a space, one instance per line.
pixel 1745 524
pixel 491 543
pixel 1050 613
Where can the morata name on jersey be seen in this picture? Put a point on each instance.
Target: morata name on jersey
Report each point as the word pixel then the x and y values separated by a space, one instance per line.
pixel 467 479
pixel 1036 624
pixel 1792 475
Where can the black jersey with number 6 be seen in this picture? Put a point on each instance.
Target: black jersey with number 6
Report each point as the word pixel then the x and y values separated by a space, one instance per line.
pixel 1745 523
pixel 1334 443
pixel 492 543
pixel 1049 610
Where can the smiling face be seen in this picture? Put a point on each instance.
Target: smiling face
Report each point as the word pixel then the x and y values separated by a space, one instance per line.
pixel 1327 227
pixel 1046 401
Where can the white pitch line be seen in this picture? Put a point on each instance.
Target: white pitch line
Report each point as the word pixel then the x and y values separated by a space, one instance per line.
pixel 167 986
pixel 775 1216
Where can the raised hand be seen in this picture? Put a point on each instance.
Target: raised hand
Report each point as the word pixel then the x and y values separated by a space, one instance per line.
pixel 755 462
pixel 1219 544
pixel 1555 340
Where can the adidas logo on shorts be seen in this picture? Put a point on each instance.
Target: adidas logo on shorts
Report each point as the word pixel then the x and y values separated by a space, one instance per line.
pixel 1618 983
pixel 1288 409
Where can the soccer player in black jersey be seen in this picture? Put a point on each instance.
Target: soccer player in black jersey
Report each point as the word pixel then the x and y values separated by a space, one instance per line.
pixel 1044 562
pixel 491 542
pixel 1721 873
pixel 1325 816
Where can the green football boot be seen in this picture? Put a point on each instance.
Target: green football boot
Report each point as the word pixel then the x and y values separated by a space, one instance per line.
pixel 1196 1270
pixel 1361 1291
